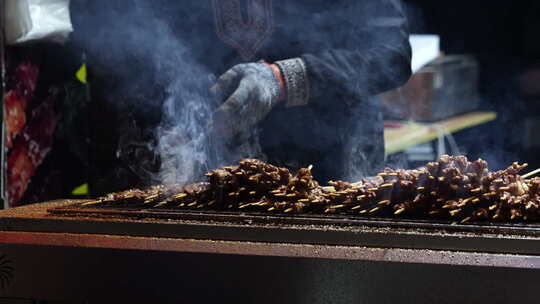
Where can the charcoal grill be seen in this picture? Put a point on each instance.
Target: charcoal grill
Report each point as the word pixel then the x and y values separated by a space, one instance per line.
pixel 44 228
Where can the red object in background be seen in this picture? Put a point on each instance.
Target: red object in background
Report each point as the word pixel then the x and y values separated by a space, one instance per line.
pixel 30 148
pixel 26 75
pixel 393 125
pixel 17 99
pixel 30 125
pixel 15 114
pixel 39 133
pixel 20 171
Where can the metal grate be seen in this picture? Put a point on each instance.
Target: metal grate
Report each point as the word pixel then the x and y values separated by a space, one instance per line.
pixel 335 220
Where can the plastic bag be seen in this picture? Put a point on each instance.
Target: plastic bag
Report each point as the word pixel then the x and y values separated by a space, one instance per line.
pixel 37 20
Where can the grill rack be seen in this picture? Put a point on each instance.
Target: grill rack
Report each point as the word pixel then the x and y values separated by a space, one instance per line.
pixel 331 229
pixel 340 220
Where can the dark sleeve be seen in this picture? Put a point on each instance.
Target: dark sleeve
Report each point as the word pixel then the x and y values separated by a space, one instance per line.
pixel 369 51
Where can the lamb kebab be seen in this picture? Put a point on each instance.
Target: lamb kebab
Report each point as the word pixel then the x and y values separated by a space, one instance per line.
pixel 452 188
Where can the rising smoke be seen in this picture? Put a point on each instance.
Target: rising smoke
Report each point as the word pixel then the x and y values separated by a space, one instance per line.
pixel 141 38
pixel 152 78
pixel 184 141
pixel 183 138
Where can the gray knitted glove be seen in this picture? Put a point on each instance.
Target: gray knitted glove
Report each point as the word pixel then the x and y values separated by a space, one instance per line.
pixel 255 91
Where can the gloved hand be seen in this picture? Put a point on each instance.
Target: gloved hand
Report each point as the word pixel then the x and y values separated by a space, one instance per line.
pixel 256 88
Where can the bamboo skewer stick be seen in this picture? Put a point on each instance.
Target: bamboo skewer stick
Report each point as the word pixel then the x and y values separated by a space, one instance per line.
pixel 92 203
pixel 532 173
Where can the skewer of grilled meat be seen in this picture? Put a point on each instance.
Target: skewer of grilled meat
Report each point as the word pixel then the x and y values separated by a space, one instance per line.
pixel 450 188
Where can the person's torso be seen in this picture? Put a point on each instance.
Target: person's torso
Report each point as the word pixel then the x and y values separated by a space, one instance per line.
pixel 155 43
pixel 222 33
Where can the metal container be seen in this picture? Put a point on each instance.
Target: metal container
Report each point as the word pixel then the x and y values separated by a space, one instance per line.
pixel 444 88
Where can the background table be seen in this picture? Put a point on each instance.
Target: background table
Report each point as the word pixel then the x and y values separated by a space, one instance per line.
pixel 400 135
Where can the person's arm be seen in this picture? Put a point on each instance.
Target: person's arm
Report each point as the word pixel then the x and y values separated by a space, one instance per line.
pixel 366 52
pixel 369 54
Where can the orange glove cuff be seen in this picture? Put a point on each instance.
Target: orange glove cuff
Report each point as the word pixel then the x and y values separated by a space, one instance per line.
pixel 279 77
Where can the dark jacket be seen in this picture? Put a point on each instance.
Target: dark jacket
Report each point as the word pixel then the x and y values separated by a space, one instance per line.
pixel 353 50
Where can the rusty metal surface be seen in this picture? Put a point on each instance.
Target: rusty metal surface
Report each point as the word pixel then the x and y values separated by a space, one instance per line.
pixel 419 256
